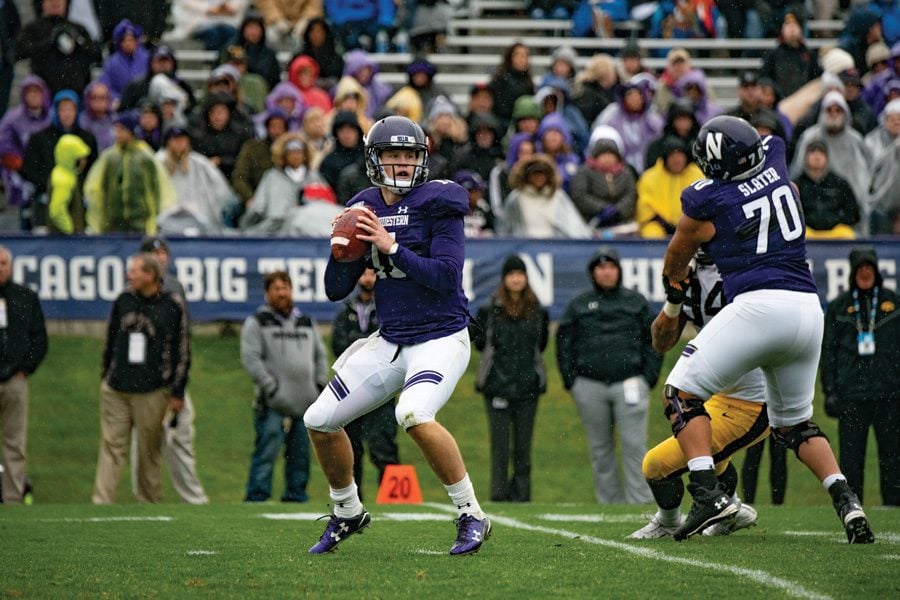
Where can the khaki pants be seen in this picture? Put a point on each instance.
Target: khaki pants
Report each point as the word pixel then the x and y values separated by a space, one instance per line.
pixel 178 451
pixel 119 412
pixel 14 420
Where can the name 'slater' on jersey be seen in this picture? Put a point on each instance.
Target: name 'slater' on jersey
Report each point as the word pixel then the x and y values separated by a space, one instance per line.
pixel 760 240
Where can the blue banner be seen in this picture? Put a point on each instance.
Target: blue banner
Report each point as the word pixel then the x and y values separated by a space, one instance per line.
pixel 79 277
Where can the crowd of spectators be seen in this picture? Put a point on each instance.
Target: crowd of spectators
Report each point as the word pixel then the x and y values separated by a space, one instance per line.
pixel 105 136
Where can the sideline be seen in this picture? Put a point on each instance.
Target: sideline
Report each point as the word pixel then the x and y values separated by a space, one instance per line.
pixel 755 575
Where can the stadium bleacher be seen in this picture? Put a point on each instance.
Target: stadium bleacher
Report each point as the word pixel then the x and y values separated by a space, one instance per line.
pixel 481 29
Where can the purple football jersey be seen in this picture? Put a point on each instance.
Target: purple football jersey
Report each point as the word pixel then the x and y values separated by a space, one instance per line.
pixel 418 293
pixel 760 240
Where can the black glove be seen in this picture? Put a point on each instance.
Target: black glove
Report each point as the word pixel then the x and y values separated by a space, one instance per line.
pixel 676 291
pixel 832 406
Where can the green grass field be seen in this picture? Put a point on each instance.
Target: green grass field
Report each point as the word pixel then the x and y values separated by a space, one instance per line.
pixel 537 550
pixel 561 545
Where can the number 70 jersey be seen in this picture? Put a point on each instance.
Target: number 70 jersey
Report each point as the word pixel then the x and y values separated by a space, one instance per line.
pixel 760 240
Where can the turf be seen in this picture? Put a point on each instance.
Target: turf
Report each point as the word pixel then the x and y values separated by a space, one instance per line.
pixel 232 551
pixel 64 547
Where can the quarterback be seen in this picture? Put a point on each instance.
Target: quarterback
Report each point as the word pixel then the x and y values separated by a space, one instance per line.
pixel 747 218
pixel 415 227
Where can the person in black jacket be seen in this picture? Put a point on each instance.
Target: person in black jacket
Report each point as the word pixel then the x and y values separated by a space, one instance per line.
pixel 606 359
pixel 830 208
pixel 261 59
pixel 61 52
pixel 221 132
pixel 23 345
pixel 356 320
pixel 162 61
pixel 511 376
pixel 347 150
pixel 511 80
pixel 860 375
pixel 145 371
pixel 10 24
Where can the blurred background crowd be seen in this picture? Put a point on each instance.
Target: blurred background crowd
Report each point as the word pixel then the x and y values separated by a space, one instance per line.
pixel 570 119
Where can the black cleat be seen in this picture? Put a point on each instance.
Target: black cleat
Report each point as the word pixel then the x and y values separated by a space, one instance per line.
pixel 853 518
pixel 710 506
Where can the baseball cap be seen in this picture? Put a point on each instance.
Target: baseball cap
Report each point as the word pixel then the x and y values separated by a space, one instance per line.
pixel 850 77
pixel 748 78
pixel 677 54
pixel 164 52
pixel 174 131
pixel 154 242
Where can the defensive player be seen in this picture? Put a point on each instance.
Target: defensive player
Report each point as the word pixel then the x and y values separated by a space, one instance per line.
pixel 422 348
pixel 747 217
pixel 738 418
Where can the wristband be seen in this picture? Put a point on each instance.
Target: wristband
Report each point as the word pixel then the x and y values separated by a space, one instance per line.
pixel 393 249
pixel 672 310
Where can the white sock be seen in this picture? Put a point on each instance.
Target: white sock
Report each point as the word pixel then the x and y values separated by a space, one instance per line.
pixel 701 463
pixel 346 501
pixel 668 517
pixel 463 496
pixel 737 501
pixel 831 479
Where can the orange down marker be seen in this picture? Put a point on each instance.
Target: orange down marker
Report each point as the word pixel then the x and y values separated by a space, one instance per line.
pixel 400 485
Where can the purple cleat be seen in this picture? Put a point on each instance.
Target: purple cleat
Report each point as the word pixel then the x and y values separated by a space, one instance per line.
pixel 470 534
pixel 338 530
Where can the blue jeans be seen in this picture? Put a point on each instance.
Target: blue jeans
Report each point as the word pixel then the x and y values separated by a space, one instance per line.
pixel 214 37
pixel 270 437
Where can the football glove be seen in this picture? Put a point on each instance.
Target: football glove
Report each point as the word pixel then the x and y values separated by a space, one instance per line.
pixel 676 291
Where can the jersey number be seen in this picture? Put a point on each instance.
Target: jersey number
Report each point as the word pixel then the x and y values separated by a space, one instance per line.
pixel 383 264
pixel 781 197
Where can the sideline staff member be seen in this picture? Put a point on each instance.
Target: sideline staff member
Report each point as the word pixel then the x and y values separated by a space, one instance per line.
pixel 23 345
pixel 145 371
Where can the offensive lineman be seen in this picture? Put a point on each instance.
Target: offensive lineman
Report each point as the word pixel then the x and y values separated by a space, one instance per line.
pixel 747 218
pixel 738 419
pixel 416 230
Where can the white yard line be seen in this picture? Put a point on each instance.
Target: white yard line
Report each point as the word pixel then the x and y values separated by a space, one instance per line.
pixel 756 575
pixel 293 516
pixel 890 538
pixel 431 552
pixel 393 516
pixel 103 519
pixel 202 552
pixel 592 518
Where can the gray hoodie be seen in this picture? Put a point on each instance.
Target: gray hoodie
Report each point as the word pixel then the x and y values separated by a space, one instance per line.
pixel 286 359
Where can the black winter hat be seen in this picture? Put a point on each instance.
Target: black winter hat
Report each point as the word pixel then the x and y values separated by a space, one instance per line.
pixel 513 263
pixel 602 255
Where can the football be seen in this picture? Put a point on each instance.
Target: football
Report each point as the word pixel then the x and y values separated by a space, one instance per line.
pixel 345 247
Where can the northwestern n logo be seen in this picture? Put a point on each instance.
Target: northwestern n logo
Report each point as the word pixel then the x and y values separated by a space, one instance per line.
pixel 714 146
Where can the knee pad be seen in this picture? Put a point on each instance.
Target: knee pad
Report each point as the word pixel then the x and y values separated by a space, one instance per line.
pixel 685 409
pixel 795 435
pixel 409 414
pixel 316 418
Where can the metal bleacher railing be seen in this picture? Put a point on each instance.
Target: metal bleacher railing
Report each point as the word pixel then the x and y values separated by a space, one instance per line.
pixel 475 41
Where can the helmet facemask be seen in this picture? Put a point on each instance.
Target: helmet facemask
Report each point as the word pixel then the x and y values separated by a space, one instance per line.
pixel 399 178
